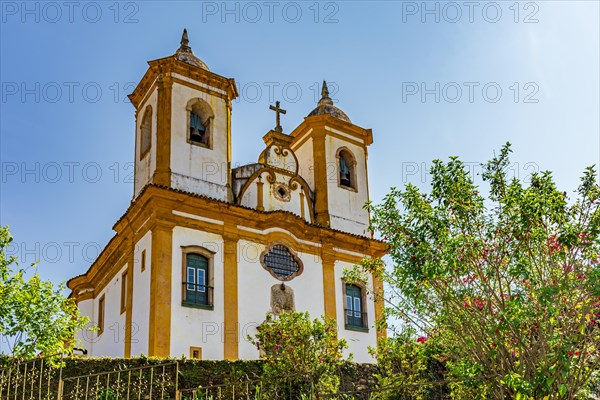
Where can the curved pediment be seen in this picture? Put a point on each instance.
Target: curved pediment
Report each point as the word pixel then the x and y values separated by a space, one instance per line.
pixel 270 188
pixel 278 153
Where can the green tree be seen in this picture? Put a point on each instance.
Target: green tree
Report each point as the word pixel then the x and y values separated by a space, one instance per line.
pixel 508 287
pixel 34 315
pixel 301 356
pixel 402 365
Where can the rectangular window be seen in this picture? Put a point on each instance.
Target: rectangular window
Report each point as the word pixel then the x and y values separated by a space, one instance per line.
pixel 123 292
pixel 143 260
pixel 196 353
pixel 356 317
pixel 197 291
pixel 101 315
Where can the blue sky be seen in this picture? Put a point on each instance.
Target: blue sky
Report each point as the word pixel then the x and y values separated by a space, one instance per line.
pixel 431 79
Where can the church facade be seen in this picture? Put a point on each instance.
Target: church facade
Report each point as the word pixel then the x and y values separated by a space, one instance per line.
pixel 205 251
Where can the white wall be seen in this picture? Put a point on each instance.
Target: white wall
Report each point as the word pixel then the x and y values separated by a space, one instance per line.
pixel 140 313
pixel 85 338
pixel 306 162
pixel 254 291
pixel 193 326
pixel 358 342
pixel 111 342
pixel 195 168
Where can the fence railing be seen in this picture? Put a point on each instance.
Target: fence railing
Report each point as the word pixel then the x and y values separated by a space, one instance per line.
pixel 32 379
pixel 41 379
pixel 158 381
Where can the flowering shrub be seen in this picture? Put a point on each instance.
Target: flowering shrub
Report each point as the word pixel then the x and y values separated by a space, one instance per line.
pixel 301 356
pixel 507 288
pixel 402 363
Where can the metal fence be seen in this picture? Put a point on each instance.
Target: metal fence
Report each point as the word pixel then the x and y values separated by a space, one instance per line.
pixel 42 379
pixel 148 382
pixel 33 379
pixel 259 389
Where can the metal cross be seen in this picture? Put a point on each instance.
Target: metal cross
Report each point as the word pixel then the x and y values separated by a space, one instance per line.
pixel 278 110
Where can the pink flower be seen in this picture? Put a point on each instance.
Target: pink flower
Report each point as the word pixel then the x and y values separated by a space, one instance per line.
pixel 421 339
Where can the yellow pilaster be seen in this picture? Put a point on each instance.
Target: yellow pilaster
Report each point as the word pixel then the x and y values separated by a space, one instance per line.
pixel 129 303
pixel 302 212
pixel 159 340
pixel 259 195
pixel 229 152
pixel 329 282
pixel 320 170
pixel 379 304
pixel 162 175
pixel 230 276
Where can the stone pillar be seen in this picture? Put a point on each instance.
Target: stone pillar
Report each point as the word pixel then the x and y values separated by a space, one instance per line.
pixel 230 291
pixel 159 341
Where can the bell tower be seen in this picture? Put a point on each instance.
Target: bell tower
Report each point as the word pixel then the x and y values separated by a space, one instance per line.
pixel 183 126
pixel 333 154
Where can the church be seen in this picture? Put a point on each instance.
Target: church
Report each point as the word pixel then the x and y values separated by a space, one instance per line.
pixel 205 251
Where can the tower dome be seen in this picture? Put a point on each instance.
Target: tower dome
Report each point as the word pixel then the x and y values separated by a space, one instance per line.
pixel 325 106
pixel 184 53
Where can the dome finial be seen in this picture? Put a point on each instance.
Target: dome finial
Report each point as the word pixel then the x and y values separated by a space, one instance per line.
pixel 325 106
pixel 325 90
pixel 184 53
pixel 325 99
pixel 184 39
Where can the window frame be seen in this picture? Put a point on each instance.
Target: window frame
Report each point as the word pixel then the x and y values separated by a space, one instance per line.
pixel 206 114
pixel 268 249
pixel 351 160
pixel 143 152
pixel 143 261
pixel 192 350
pixel 209 255
pixel 364 312
pixel 124 284
pixel 101 313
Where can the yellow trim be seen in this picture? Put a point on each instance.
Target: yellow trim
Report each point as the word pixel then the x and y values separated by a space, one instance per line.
pixel 259 195
pixel 124 285
pixel 230 293
pixel 302 212
pixel 192 350
pixel 367 182
pixel 320 180
pixel 101 314
pixel 229 150
pixel 379 304
pixel 162 174
pixel 328 259
pixel 159 340
pixel 143 261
